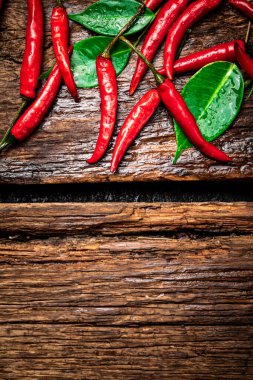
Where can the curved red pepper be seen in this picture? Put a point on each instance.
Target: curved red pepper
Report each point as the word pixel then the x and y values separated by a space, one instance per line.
pixel 32 59
pixel 244 60
pixel 133 124
pixel 195 61
pixel 153 4
pixel 60 37
pixel 33 116
pixel 193 13
pixel 109 103
pixel 179 110
pixel 160 27
pixel 244 6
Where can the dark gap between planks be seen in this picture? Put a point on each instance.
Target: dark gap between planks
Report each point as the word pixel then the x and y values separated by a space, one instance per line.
pixel 129 192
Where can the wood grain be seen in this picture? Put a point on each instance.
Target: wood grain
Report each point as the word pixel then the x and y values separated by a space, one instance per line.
pixel 126 291
pixel 56 153
pixel 112 281
pixel 126 218
pixel 159 352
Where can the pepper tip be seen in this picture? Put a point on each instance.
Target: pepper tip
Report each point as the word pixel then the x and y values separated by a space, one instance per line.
pixel 224 157
pixel 133 86
pixel 113 169
pixel 94 159
pixel 90 161
pixel 215 153
pixel 229 159
pixel 131 91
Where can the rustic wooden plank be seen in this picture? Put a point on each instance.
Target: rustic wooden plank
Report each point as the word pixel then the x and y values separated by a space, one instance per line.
pixel 125 218
pixel 127 280
pixel 107 300
pixel 117 353
pixel 57 152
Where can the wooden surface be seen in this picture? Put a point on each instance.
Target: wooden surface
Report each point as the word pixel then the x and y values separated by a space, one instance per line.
pixel 126 291
pixel 56 153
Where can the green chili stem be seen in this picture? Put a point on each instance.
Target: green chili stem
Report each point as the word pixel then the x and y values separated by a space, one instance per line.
pixel 5 140
pixel 106 52
pixel 248 32
pixel 3 145
pixel 250 93
pixel 159 78
pixel 9 141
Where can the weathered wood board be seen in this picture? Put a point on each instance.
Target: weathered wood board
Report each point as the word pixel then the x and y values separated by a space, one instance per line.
pixel 126 291
pixel 57 152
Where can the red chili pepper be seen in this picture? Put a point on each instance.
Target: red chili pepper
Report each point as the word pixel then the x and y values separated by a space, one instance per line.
pixel 60 37
pixel 193 13
pixel 195 61
pixel 244 60
pixel 160 27
pixel 31 65
pixel 109 103
pixel 33 116
pixel 133 124
pixel 153 4
pixel 179 110
pixel 244 6
pixel 108 92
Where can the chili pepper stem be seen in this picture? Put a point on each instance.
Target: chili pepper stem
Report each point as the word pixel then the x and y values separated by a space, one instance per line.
pixel 7 143
pixel 159 78
pixel 2 146
pixel 5 140
pixel 59 3
pixel 106 52
pixel 250 93
pixel 248 33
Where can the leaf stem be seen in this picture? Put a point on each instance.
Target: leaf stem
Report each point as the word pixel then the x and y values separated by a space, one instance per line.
pixel 106 52
pixel 159 78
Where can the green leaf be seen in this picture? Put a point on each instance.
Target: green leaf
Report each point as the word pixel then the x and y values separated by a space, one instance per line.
pixel 108 17
pixel 214 96
pixel 83 59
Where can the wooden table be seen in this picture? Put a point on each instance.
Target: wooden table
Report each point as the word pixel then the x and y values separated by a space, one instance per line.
pixel 126 291
pixel 57 153
pixel 122 290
